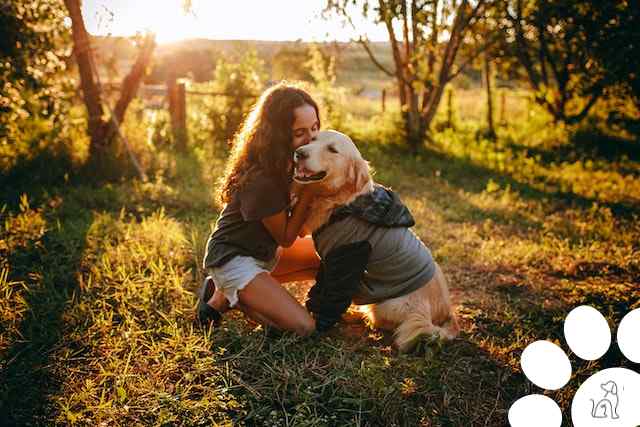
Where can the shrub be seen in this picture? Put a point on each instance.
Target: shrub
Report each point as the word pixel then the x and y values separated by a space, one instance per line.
pixel 241 82
pixel 330 97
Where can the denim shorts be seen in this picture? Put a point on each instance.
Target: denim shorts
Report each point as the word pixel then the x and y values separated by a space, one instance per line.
pixel 235 274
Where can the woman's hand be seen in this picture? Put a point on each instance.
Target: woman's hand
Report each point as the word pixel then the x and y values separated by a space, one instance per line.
pixel 300 191
pixel 309 191
pixel 285 227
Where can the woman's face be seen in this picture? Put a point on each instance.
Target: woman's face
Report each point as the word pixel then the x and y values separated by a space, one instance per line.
pixel 305 125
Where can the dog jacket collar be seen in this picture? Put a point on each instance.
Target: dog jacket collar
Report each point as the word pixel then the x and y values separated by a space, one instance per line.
pixel 381 207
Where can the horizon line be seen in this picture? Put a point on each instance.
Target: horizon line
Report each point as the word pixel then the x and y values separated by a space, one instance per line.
pixel 300 40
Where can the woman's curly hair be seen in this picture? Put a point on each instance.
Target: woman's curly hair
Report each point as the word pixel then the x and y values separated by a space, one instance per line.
pixel 265 140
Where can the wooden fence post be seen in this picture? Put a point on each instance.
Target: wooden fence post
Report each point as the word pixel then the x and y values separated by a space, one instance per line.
pixel 450 108
pixel 384 99
pixel 178 110
pixel 503 106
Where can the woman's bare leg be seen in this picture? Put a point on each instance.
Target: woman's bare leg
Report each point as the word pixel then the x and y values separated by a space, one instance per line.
pixel 298 262
pixel 255 316
pixel 266 301
pixel 219 301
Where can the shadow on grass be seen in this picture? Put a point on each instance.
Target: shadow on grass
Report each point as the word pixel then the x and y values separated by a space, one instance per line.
pixel 512 314
pixel 340 379
pixel 587 144
pixel 463 174
pixel 33 176
pixel 350 375
pixel 28 377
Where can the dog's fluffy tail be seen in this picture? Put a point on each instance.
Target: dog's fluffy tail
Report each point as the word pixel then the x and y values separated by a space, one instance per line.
pixel 419 324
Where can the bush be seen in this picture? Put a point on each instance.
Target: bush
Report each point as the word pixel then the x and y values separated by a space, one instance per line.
pixel 241 82
pixel 35 90
pixel 331 98
pixel 286 64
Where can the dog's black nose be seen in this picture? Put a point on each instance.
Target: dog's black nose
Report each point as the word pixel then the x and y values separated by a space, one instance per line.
pixel 300 154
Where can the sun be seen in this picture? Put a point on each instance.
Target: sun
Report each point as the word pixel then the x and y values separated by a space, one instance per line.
pixel 169 21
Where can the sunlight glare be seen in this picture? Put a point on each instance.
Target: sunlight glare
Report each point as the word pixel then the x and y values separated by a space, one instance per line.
pixel 169 22
pixel 276 20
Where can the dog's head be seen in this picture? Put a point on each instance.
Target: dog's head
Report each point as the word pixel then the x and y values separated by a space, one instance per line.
pixel 609 387
pixel 332 161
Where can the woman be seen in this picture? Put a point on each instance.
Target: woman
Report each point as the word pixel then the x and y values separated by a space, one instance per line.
pixel 255 245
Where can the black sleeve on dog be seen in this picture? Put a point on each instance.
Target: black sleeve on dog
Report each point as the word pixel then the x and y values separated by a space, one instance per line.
pixel 337 282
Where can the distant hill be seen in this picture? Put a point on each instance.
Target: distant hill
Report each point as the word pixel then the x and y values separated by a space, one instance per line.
pixel 197 58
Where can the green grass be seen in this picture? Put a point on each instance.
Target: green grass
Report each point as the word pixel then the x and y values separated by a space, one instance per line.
pixel 97 289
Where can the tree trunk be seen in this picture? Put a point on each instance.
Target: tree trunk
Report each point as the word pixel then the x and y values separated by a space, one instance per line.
pixel 431 106
pixel 90 90
pixel 131 83
pixel 414 123
pixel 101 130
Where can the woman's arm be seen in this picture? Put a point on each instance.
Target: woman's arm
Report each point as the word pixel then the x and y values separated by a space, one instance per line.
pixel 284 228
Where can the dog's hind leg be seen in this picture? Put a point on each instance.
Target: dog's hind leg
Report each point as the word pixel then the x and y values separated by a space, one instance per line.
pixel 417 324
pixel 425 311
pixel 408 316
pixel 442 314
pixel 377 317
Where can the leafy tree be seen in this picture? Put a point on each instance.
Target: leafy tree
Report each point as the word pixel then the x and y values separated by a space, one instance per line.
pixel 573 52
pixel 33 86
pixel 549 46
pixel 612 36
pixel 426 38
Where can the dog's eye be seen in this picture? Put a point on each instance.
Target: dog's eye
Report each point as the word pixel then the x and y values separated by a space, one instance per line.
pixel 332 149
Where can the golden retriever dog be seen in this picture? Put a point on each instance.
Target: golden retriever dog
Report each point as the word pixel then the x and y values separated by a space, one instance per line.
pixel 334 163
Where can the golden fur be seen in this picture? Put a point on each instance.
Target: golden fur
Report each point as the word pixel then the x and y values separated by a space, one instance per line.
pixel 334 163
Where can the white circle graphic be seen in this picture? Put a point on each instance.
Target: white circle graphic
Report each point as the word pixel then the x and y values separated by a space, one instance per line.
pixel 629 335
pixel 608 398
pixel 535 410
pixel 587 332
pixel 546 365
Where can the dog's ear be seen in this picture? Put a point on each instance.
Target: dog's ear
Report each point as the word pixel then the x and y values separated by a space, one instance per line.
pixel 359 174
pixel 610 387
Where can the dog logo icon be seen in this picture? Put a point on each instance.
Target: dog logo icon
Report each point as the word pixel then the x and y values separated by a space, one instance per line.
pixel 602 399
pixel 607 407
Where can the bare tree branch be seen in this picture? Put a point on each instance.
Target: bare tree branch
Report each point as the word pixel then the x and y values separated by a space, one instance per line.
pixel 585 110
pixel 384 12
pixel 377 63
pixel 405 32
pixel 401 71
pixel 434 37
pixel 470 59
pixel 475 12
pixel 522 48
pixel 132 81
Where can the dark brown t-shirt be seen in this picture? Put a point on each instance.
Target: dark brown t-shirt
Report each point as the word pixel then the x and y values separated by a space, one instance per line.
pixel 239 229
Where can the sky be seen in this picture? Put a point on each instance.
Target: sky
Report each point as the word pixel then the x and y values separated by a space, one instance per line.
pixel 222 20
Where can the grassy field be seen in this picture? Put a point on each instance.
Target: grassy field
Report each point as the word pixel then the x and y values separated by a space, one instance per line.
pixel 97 286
